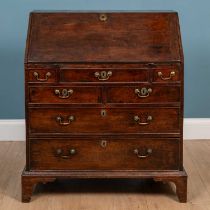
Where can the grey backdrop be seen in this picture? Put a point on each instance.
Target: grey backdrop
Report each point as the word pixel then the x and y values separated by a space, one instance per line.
pixel 195 28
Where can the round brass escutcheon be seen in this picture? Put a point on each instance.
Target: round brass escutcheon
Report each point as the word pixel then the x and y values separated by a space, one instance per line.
pixel 59 151
pixel 103 17
pixel 72 151
pixel 149 118
pixel 71 118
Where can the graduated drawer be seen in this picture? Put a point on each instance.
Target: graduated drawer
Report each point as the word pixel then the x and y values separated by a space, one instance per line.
pixel 143 94
pixel 101 154
pixel 166 75
pixel 62 95
pixel 96 120
pixel 42 75
pixel 104 75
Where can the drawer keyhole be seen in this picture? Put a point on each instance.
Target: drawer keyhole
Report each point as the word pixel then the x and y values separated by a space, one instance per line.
pixel 103 113
pixel 103 143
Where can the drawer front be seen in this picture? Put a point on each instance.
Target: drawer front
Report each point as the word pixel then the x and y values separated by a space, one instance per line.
pixel 166 75
pixel 95 120
pixel 65 95
pixel 42 76
pixel 104 75
pixel 143 94
pixel 130 154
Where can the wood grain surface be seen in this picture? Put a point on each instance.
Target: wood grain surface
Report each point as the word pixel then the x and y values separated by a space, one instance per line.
pixel 115 77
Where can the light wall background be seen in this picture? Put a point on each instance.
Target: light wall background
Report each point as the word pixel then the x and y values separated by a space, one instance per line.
pixel 195 27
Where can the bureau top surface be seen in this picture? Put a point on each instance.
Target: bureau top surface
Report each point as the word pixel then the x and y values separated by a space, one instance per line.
pixel 103 37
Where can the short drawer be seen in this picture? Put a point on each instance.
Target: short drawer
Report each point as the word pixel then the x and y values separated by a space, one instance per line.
pixel 65 95
pixel 143 94
pixel 42 76
pixel 104 75
pixel 104 154
pixel 166 75
pixel 96 120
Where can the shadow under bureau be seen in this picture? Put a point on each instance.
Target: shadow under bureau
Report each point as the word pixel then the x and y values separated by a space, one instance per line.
pixel 104 97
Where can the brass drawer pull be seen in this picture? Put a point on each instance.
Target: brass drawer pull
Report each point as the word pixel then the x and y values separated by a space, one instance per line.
pixel 138 120
pixel 70 119
pixel 64 93
pixel 143 154
pixel 103 17
pixel 47 75
pixel 103 75
pixel 143 92
pixel 172 74
pixel 59 153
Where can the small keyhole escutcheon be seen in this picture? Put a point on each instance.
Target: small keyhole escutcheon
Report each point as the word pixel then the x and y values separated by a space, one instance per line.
pixel 103 143
pixel 103 112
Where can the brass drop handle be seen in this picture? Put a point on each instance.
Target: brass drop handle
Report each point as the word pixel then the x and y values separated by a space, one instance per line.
pixel 47 75
pixel 143 154
pixel 59 119
pixel 64 93
pixel 172 74
pixel 143 92
pixel 103 75
pixel 59 152
pixel 138 120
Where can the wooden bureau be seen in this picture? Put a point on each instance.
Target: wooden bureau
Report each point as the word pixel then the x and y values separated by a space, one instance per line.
pixel 104 97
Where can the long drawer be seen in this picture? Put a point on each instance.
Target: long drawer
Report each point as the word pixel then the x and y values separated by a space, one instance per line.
pixel 132 154
pixel 96 120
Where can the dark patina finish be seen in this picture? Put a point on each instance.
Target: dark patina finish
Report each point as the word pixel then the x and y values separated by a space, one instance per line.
pixel 104 97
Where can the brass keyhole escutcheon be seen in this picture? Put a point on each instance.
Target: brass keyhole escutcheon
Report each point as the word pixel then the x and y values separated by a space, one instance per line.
pixel 103 143
pixel 103 112
pixel 143 91
pixel 103 74
pixel 103 17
